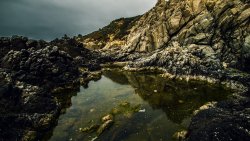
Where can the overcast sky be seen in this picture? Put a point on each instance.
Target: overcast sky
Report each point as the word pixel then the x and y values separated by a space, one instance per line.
pixel 48 19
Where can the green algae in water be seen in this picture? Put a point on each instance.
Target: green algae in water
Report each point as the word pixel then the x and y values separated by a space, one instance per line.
pixel 146 107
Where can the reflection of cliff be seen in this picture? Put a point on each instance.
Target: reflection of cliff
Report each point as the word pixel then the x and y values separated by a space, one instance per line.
pixel 177 99
pixel 116 76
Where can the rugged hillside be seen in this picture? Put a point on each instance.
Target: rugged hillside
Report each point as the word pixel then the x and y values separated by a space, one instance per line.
pixel 113 35
pixel 212 31
pixel 220 26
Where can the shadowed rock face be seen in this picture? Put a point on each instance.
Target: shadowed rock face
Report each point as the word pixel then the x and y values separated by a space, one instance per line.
pixel 229 120
pixel 25 112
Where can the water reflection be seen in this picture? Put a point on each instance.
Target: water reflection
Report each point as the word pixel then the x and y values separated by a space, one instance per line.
pixel 178 99
pixel 166 107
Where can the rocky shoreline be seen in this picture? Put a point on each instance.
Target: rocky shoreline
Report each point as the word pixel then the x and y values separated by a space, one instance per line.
pixel 32 79
pixel 188 40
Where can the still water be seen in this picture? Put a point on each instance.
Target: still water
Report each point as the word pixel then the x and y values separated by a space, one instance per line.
pixel 144 107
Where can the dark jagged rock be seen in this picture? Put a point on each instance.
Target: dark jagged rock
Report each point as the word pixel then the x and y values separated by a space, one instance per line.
pixel 18 43
pixel 29 74
pixel 25 109
pixel 228 120
pixel 47 65
pixel 82 56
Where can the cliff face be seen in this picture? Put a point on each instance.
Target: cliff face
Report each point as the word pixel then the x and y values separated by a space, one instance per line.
pixel 214 29
pixel 220 25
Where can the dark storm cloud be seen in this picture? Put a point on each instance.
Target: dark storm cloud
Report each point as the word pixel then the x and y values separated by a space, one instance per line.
pixel 48 19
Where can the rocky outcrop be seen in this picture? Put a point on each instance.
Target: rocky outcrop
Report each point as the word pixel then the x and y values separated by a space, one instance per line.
pixel 214 32
pixel 39 67
pixel 82 56
pixel 17 43
pixel 32 81
pixel 192 60
pixel 26 111
pixel 228 120
pixel 221 25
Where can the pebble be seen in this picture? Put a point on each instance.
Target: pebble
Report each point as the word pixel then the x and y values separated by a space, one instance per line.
pixel 142 111
pixel 107 117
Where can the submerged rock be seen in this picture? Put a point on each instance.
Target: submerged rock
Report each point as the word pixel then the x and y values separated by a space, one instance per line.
pixel 92 128
pixel 104 126
pixel 181 135
pixel 107 117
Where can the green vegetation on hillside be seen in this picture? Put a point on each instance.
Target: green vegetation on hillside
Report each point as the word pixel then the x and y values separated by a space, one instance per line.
pixel 117 28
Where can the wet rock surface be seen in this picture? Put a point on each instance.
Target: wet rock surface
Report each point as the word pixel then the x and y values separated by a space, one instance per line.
pixel 228 120
pixel 32 78
pixel 26 110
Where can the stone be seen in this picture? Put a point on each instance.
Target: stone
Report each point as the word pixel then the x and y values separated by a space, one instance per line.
pixel 107 117
pixel 229 120
pixel 89 129
pixel 43 64
pixel 107 124
pixel 181 135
